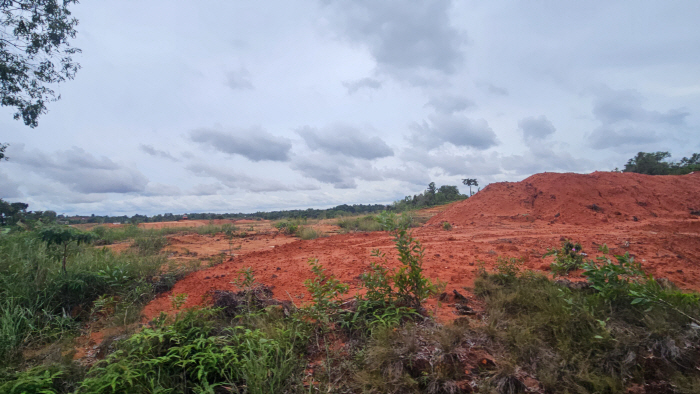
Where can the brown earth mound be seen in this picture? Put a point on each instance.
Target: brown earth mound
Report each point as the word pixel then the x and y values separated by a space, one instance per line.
pixel 504 220
pixel 581 199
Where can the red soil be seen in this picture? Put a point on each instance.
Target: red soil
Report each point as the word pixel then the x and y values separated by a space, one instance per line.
pixel 520 219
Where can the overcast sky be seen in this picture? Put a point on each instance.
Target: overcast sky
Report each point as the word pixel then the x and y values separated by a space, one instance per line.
pixel 223 106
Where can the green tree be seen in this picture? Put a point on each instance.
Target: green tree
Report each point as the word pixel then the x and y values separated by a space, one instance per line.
pixel 11 213
pixel 2 151
pixel 649 163
pixel 470 182
pixel 34 54
pixel 64 236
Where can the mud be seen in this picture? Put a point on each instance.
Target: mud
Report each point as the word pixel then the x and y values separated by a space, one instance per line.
pixel 649 217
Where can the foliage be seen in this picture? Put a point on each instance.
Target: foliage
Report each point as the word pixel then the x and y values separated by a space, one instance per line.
pixel 326 292
pixel 64 236
pixel 656 163
pixel 430 197
pixel 34 53
pixel 575 340
pixel 409 282
pixel 3 147
pixel 470 182
pixel 289 226
pixel 566 259
pixel 40 303
pixel 447 226
pixel 359 224
pixel 193 355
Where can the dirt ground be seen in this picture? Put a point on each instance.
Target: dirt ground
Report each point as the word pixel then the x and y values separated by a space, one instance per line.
pixel 655 219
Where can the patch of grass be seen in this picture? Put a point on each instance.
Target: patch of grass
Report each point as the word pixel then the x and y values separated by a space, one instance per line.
pixel 359 224
pixel 446 226
pixel 40 303
pixel 308 233
pixel 584 341
pixel 568 258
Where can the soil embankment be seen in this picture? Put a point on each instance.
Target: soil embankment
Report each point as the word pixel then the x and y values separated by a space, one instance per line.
pixel 654 218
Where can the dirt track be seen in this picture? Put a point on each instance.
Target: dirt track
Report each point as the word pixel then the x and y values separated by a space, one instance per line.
pixel 649 217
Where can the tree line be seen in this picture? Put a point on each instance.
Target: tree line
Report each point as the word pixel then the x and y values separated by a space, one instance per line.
pixel 656 163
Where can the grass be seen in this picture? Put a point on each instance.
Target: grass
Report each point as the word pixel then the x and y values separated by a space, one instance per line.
pixel 623 330
pixel 577 341
pixel 110 235
pixel 39 303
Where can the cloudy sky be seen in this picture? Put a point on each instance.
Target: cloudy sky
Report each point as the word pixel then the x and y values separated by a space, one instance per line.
pixel 222 106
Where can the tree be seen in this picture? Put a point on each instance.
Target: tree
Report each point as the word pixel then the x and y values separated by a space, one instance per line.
pixel 11 213
pixel 649 163
pixel 2 151
pixel 34 54
pixel 63 236
pixel 470 182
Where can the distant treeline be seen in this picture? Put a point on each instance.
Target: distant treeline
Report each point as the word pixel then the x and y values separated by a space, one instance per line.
pixel 430 197
pixel 655 163
pixel 16 213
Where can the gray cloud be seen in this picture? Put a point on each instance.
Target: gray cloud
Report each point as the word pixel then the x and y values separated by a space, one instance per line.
pixel 8 187
pixel 455 164
pixel 82 172
pixel 339 171
pixel 624 122
pixel 160 189
pixel 244 182
pixel 345 140
pixel 254 143
pixel 157 152
pixel 613 107
pixel 455 129
pixel 493 89
pixel 536 129
pixel 369 83
pixel 609 137
pixel 239 80
pixel 449 104
pixel 402 35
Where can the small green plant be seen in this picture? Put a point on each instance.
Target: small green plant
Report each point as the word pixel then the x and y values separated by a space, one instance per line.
pixel 245 279
pixel 507 268
pixel 568 258
pixel 446 226
pixel 178 300
pixel 64 236
pixel 326 292
pixel 409 282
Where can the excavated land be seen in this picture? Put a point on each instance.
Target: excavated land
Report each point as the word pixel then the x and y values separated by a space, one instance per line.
pixel 654 218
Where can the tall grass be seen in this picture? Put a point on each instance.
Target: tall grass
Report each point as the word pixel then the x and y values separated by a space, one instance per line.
pixel 110 235
pixel 40 303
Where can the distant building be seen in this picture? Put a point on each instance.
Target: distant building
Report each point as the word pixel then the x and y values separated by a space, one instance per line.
pixel 184 217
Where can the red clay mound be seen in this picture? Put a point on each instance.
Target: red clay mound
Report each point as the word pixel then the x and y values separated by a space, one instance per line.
pixel 581 199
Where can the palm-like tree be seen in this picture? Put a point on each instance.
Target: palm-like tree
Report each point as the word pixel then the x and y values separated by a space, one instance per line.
pixel 470 182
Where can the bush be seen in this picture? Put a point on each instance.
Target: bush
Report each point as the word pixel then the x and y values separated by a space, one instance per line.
pixel 567 259
pixel 193 355
pixel 359 224
pixel 625 329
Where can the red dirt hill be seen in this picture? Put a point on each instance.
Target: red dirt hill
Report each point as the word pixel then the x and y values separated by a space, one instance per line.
pixel 580 199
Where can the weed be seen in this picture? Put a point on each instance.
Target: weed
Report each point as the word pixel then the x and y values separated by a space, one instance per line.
pixel 446 226
pixel 566 259
pixel 326 292
pixel 359 224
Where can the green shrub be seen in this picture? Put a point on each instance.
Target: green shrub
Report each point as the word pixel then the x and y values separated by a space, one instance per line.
pixel 192 355
pixel 567 259
pixel 574 339
pixel 307 233
pixel 446 226
pixel 359 224
pixel 326 292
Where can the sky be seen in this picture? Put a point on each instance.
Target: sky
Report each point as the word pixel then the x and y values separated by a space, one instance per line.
pixel 232 106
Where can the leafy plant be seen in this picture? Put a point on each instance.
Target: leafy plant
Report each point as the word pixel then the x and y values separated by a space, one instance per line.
pixel 326 292
pixel 64 236
pixel 446 226
pixel 568 258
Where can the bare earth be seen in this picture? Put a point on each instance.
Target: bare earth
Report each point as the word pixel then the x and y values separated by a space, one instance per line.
pixel 655 219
